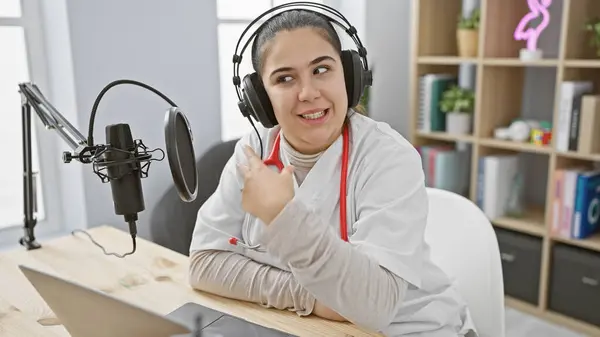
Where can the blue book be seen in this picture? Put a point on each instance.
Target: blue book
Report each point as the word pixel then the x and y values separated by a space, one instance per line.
pixel 586 212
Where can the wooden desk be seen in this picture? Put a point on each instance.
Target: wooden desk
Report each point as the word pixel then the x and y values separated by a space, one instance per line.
pixel 154 278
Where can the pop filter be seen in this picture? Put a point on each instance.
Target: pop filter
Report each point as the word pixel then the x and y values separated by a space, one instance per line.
pixel 180 153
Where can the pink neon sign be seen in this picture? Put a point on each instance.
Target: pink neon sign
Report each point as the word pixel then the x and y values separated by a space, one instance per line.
pixel 537 8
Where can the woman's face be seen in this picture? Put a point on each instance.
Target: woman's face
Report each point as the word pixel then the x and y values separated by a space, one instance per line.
pixel 303 76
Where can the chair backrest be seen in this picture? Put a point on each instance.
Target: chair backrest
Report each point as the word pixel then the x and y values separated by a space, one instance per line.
pixel 464 244
pixel 172 221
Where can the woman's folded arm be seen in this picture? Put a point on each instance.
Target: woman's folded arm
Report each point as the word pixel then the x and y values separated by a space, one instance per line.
pixel 340 276
pixel 232 275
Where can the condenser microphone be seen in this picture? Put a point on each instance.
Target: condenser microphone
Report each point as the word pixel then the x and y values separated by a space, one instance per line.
pixel 125 161
pixel 124 172
pixel 122 161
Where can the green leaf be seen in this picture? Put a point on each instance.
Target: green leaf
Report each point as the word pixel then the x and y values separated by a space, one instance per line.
pixel 471 21
pixel 457 99
pixel 592 25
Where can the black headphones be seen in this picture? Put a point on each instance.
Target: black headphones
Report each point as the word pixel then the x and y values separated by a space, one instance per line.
pixel 253 98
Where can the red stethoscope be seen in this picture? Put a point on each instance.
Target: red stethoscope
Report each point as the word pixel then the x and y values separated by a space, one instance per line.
pixel 275 160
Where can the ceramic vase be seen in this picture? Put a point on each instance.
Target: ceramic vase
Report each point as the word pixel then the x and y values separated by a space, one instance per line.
pixel 458 123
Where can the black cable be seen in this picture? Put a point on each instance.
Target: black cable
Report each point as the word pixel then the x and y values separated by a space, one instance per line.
pixel 258 136
pixel 106 88
pixel 104 250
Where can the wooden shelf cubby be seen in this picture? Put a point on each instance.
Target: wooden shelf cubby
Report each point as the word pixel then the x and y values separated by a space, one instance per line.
pixel 507 88
pixel 577 46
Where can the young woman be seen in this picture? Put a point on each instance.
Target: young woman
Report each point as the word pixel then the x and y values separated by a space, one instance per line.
pixel 291 251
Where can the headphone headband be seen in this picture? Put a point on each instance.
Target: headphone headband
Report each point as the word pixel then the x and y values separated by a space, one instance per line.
pixel 349 29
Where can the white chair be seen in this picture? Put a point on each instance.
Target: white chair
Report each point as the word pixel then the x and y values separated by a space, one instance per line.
pixel 463 243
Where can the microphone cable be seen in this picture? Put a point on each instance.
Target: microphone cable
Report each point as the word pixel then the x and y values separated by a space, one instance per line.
pixel 132 223
pixel 105 89
pixel 103 249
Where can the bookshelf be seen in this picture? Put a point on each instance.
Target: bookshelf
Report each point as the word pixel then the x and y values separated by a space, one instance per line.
pixel 502 82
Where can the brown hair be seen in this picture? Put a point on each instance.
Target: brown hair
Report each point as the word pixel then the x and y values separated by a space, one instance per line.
pixel 291 20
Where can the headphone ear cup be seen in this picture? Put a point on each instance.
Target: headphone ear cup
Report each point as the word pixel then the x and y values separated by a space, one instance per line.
pixel 353 70
pixel 257 100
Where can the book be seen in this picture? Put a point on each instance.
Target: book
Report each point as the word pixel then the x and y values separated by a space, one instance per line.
pixel 589 125
pixel 452 170
pixel 499 174
pixel 480 183
pixel 431 88
pixel 586 210
pixel 575 116
pixel 557 202
pixel 570 93
pixel 568 202
pixel 446 167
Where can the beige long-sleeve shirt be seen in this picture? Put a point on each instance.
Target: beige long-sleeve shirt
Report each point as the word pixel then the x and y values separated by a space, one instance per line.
pixel 322 267
pixel 236 276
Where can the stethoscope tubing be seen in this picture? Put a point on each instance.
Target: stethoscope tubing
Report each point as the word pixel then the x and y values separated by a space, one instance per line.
pixel 274 159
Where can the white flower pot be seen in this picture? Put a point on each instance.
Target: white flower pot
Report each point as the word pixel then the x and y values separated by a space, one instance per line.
pixel 458 123
pixel 530 55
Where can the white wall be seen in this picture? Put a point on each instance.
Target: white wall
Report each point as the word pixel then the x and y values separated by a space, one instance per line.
pixel 354 12
pixel 61 93
pixel 384 29
pixel 172 48
pixel 388 34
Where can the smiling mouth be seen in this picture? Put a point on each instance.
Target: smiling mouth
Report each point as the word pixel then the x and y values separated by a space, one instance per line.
pixel 315 115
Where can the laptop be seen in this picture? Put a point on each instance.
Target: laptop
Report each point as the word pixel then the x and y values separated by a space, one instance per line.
pixel 85 312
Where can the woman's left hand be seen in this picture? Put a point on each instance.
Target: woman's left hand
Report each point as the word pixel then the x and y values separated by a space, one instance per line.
pixel 265 192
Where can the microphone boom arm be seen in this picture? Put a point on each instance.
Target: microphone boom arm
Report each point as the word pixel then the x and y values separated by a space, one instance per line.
pixel 51 118
pixel 32 98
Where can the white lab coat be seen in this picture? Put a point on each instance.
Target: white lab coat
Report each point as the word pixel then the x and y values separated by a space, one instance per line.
pixel 383 166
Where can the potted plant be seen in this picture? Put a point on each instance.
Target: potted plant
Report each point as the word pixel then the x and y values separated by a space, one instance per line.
pixel 467 34
pixel 593 26
pixel 458 104
pixel 363 105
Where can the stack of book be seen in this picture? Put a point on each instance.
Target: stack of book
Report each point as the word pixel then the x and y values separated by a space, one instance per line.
pixel 498 185
pixel 579 118
pixel 576 203
pixel 431 88
pixel 446 168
